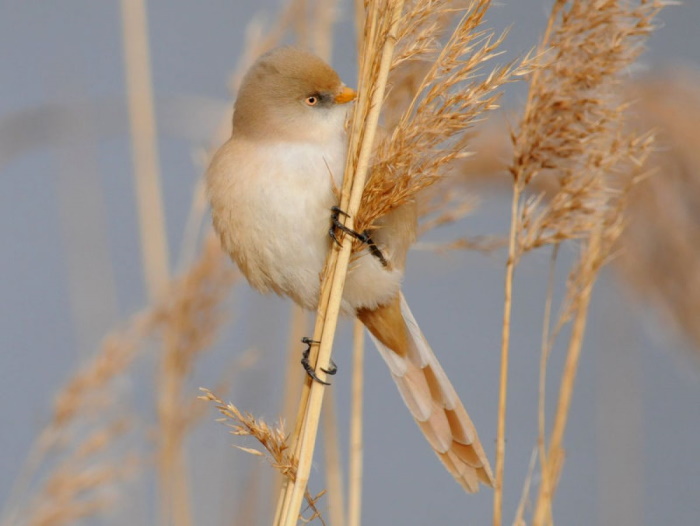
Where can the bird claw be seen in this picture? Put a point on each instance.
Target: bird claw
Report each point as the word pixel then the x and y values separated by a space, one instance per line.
pixel 332 369
pixel 363 237
pixel 307 366
pixel 336 212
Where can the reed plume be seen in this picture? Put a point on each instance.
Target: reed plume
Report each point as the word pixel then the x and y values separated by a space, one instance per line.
pixel 442 102
pixel 189 319
pixel 378 42
pixel 273 439
pixel 89 420
pixel 74 447
pixel 573 128
pixel 430 135
pixel 660 249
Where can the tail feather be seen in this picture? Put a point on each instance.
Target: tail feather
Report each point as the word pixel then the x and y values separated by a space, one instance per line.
pixel 464 434
pixel 431 398
pixel 466 477
pixel 434 428
pixel 415 392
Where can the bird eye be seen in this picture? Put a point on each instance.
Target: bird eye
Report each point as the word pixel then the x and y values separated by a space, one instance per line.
pixel 311 100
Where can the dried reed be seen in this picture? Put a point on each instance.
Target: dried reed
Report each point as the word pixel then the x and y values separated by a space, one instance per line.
pixel 660 250
pixel 356 444
pixel 188 316
pixel 334 471
pixel 85 402
pixel 79 485
pixel 62 495
pixel 653 258
pixel 378 45
pixel 574 129
pixel 154 244
pixel 189 320
pixel 293 384
pixel 427 138
pixel 272 438
pixel 443 103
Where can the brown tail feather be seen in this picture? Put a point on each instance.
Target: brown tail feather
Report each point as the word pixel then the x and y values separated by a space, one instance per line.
pixel 428 393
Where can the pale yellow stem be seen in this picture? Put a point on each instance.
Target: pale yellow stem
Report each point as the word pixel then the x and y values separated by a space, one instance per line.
pixel 298 328
pixel 285 500
pixel 356 446
pixel 144 145
pixel 542 515
pixel 525 495
pixel 325 14
pixel 542 390
pixel 505 348
pixel 293 384
pixel 354 184
pixel 518 186
pixel 334 470
pixel 174 494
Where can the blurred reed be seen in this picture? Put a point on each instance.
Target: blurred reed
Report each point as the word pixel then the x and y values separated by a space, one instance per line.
pixel 573 128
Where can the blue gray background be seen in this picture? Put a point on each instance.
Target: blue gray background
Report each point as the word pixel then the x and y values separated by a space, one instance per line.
pixel 67 198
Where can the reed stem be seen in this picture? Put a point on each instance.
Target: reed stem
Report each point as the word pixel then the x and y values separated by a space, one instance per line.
pixel 542 515
pixel 505 349
pixel 356 445
pixel 364 126
pixel 144 145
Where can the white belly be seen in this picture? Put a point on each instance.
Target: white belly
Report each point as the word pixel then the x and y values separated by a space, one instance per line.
pixel 271 206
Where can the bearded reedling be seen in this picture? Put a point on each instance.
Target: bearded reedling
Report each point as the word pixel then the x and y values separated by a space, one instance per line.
pixel 271 188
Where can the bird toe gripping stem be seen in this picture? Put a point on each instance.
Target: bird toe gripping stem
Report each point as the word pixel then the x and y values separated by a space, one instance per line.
pixel 307 366
pixel 337 224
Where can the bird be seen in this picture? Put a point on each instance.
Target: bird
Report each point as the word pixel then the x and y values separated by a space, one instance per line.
pixel 272 189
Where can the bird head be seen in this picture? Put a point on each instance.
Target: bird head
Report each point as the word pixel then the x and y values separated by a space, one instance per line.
pixel 289 94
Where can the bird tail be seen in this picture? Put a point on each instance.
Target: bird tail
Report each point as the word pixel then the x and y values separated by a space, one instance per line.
pixel 428 393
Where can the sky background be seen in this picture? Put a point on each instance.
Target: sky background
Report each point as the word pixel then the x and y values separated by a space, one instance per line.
pixel 71 269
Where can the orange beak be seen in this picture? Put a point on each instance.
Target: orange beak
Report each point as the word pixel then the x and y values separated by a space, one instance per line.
pixel 346 95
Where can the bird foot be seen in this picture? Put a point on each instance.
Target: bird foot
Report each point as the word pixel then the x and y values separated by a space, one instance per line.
pixel 336 212
pixel 307 366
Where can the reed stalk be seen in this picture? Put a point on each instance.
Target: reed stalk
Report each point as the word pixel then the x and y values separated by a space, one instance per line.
pixel 144 146
pixel 545 351
pixel 513 256
pixel 503 373
pixel 334 467
pixel 366 118
pixel 561 114
pixel 356 441
pixel 553 463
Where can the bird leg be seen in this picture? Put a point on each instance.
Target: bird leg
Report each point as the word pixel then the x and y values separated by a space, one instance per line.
pixel 307 366
pixel 336 212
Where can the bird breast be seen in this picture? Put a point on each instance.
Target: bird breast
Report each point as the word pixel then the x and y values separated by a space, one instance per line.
pixel 271 207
